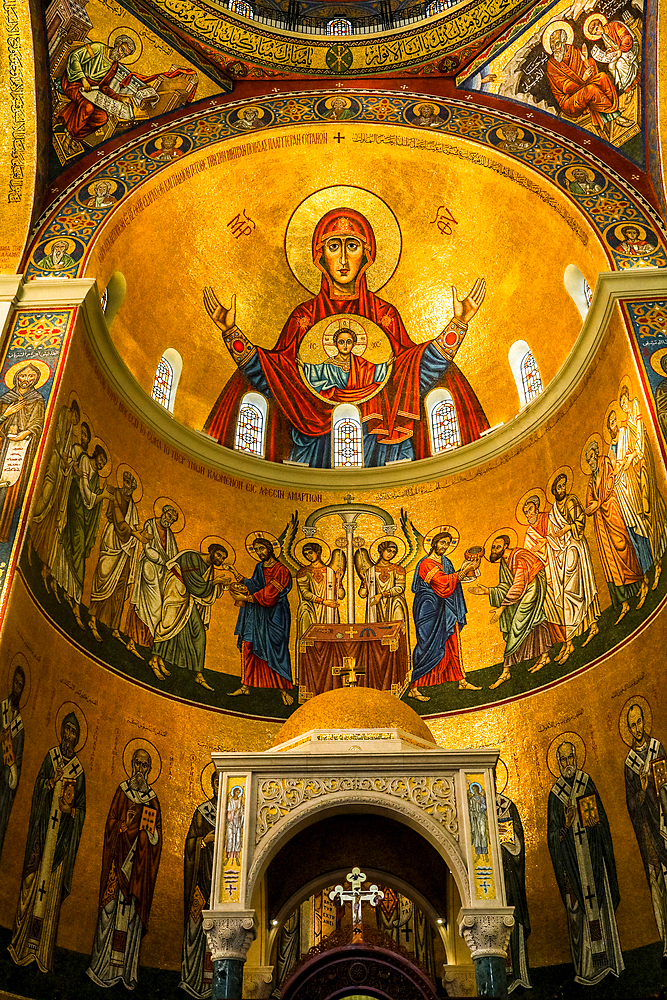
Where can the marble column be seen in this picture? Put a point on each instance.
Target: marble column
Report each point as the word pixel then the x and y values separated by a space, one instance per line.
pixel 229 938
pixel 487 934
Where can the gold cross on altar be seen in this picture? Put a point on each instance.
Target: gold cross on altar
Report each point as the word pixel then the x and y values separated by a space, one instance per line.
pixel 351 632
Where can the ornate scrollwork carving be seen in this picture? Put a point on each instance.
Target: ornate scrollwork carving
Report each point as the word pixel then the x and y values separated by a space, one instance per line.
pixel 257 981
pixel 229 937
pixel 276 797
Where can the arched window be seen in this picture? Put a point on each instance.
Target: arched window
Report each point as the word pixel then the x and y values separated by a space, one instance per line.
pixel 251 425
pixel 241 7
pixel 113 296
pixel 436 7
pixel 443 423
pixel 166 379
pixel 525 370
pixel 578 289
pixel 348 442
pixel 339 26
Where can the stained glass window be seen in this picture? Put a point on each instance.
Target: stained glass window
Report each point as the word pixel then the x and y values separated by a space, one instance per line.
pixel 104 298
pixel 436 7
pixel 588 292
pixel 164 377
pixel 530 377
pixel 251 425
pixel 445 433
pixel 339 26
pixel 348 446
pixel 241 7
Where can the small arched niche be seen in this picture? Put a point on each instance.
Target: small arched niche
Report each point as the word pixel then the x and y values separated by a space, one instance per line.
pixel 578 289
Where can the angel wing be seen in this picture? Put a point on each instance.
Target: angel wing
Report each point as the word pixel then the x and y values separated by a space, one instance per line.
pixel 362 562
pixel 287 539
pixel 414 538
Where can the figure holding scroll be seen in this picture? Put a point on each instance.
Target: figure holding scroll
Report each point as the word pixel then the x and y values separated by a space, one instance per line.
pixel 21 426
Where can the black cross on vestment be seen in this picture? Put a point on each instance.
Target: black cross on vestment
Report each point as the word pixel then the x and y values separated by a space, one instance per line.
pixel 589 897
pixel 580 834
pixel 580 784
pixel 54 820
pixel 5 715
pixel 42 890
pixel 123 905
pixel 75 767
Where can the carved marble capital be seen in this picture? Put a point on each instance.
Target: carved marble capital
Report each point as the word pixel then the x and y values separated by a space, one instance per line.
pixel 257 980
pixel 229 935
pixel 486 932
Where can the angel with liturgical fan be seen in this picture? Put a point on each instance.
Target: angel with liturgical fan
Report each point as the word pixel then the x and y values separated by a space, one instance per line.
pixel 319 576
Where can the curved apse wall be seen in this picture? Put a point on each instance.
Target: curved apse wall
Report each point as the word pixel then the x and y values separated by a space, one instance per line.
pixel 124 699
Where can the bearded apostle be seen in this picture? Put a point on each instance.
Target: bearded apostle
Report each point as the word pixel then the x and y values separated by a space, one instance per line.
pixel 157 550
pixel 343 248
pixel 439 611
pixel 647 809
pixel 263 624
pixel 196 963
pixel 117 559
pixel 571 568
pixel 582 855
pixel 13 738
pixel 130 862
pixel 21 426
pixel 617 555
pixel 54 831
pixel 55 486
pixel 79 531
pixel 577 84
pixel 520 595
pixel 190 590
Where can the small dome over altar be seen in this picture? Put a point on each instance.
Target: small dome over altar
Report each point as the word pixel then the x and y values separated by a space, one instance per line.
pixel 362 718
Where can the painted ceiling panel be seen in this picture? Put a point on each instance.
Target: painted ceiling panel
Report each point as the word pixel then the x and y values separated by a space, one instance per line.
pixel 110 73
pixel 581 62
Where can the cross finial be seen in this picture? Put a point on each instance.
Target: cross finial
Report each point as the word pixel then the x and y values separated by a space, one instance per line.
pixel 349 498
pixel 356 878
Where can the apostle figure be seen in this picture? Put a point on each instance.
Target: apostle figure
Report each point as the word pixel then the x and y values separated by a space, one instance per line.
pixel 320 589
pixel 617 555
pixel 629 493
pixel 439 611
pixel 582 855
pixel 13 737
pixel 537 541
pixel 196 963
pixel 647 812
pixel 59 259
pixel 635 445
pixel 343 247
pixel 569 558
pixel 54 831
pixel 520 595
pixel 79 531
pixel 55 486
pixel 21 420
pixel 117 559
pixel 130 862
pixel 263 624
pixel 576 83
pixel 513 854
pixel 158 549
pixel 190 590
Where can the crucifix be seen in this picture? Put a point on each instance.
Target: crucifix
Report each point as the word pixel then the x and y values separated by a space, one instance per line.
pixel 356 896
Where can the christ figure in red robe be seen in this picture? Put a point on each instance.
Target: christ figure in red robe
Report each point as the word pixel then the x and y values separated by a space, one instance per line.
pixel 299 428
